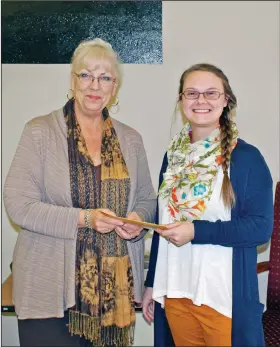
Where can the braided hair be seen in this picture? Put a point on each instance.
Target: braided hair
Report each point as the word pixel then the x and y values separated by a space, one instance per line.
pixel 226 129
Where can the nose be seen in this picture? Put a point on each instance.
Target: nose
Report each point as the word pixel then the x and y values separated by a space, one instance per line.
pixel 201 98
pixel 95 84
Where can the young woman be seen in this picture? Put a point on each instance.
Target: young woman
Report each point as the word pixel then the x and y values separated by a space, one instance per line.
pixel 215 197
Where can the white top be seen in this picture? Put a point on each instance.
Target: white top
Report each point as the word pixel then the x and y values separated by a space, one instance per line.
pixel 202 273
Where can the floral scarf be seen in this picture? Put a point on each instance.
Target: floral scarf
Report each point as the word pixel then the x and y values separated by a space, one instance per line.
pixel 104 311
pixel 191 173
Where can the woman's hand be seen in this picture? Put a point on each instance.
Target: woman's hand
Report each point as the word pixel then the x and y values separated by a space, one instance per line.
pixel 130 231
pixel 178 233
pixel 148 304
pixel 101 223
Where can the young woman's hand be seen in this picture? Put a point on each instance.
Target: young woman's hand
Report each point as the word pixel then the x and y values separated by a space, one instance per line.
pixel 178 233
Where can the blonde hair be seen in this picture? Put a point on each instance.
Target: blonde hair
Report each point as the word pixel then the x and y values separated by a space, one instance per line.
pixel 99 50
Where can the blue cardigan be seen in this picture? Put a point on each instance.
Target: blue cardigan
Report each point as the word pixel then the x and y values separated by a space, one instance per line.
pixel 251 225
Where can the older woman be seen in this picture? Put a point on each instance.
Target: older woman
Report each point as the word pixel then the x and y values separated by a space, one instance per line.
pixel 76 271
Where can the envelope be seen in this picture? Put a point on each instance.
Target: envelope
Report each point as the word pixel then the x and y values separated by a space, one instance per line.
pixel 136 222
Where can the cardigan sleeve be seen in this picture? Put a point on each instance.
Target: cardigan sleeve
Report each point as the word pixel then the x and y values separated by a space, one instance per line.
pixel 23 192
pixel 254 224
pixel 149 282
pixel 146 197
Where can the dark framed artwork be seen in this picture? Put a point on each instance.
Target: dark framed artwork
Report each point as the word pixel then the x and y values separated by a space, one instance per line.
pixel 47 32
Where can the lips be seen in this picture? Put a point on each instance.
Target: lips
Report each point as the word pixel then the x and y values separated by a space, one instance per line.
pixel 94 97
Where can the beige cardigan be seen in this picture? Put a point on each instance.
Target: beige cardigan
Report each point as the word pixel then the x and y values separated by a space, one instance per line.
pixel 37 198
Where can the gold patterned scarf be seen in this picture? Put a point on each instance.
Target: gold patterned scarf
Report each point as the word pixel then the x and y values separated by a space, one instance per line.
pixel 191 173
pixel 104 311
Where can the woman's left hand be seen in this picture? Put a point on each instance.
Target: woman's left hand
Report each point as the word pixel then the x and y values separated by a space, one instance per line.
pixel 130 231
pixel 178 233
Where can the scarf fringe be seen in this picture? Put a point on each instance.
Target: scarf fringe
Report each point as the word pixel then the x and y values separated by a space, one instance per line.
pixel 84 325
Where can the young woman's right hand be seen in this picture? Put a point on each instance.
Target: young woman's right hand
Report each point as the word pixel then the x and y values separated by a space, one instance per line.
pixel 148 304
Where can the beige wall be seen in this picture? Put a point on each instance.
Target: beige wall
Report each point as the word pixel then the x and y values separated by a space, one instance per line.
pixel 242 38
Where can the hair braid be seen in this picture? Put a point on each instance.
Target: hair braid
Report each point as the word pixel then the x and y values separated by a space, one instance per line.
pixel 226 132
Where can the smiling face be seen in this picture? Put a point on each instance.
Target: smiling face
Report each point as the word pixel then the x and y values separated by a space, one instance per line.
pixel 94 85
pixel 202 112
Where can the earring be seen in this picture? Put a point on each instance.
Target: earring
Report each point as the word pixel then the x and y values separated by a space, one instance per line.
pixel 115 107
pixel 67 95
pixel 117 102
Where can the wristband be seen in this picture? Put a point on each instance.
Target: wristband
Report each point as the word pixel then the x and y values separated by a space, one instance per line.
pixel 86 219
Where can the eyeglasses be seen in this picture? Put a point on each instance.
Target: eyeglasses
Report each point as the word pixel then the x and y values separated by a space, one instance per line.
pixel 208 94
pixel 87 79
